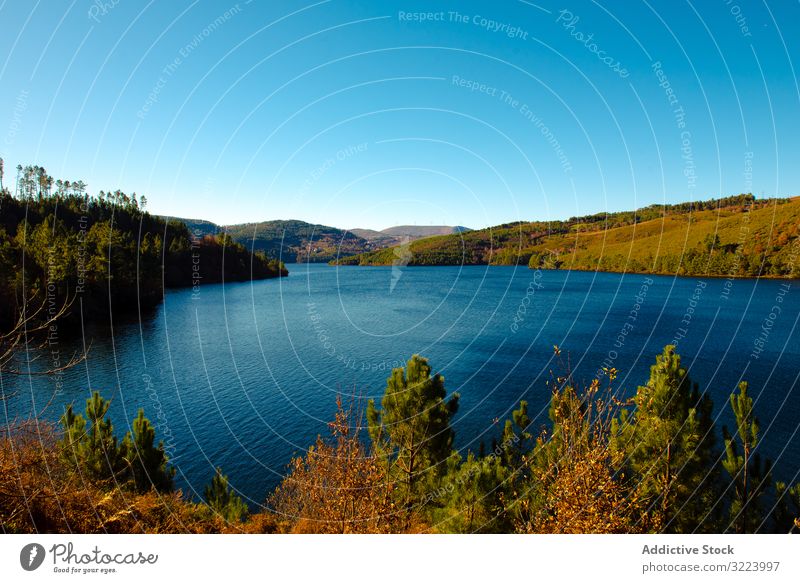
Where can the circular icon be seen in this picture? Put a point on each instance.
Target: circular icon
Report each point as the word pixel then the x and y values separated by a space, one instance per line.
pixel 31 556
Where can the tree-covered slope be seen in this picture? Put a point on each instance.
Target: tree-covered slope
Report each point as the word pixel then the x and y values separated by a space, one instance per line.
pixel 60 245
pixel 297 241
pixel 197 227
pixel 734 236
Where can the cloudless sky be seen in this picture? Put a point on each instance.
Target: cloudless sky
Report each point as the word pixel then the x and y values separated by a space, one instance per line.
pixel 362 114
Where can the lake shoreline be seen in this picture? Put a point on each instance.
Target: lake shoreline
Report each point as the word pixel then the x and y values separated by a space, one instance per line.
pixel 673 275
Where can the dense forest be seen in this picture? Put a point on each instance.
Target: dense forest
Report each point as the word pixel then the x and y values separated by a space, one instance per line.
pixel 655 463
pixel 60 246
pixel 737 236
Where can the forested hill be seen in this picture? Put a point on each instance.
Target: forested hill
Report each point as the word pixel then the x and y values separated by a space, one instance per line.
pixel 295 241
pixel 292 241
pixel 298 241
pixel 735 236
pixel 59 244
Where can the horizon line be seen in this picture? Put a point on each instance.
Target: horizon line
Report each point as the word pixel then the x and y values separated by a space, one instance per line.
pixel 518 220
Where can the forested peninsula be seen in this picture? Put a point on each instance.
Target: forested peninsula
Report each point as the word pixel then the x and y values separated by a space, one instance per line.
pixel 61 246
pixel 736 236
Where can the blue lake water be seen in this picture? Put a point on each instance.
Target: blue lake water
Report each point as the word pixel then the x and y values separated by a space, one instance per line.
pixel 242 376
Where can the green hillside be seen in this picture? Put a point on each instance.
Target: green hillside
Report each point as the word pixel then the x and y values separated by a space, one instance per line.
pixel 734 236
pixel 297 241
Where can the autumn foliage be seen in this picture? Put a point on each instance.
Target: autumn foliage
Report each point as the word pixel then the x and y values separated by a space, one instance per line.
pixel 339 486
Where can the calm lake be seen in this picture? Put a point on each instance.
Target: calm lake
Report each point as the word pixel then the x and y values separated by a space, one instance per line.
pixel 242 376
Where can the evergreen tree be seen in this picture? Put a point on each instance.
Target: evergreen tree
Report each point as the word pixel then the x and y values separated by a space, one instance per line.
pixel 93 448
pixel 473 499
pixel 222 500
pixel 411 431
pixel 146 462
pixel 751 478
pixel 668 446
pixel 515 450
pixel 517 440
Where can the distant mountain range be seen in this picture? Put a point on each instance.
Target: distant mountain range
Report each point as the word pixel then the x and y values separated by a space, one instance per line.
pixel 404 234
pixel 296 241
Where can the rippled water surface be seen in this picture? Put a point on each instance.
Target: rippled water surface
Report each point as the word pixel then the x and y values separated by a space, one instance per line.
pixel 244 375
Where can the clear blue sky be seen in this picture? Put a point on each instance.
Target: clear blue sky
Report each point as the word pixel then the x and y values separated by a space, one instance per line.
pixel 366 114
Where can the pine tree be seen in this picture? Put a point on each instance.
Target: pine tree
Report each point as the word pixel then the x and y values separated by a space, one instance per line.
pixel 222 500
pixel 517 440
pixel 521 492
pixel 146 462
pixel 668 443
pixel 751 478
pixel 473 500
pixel 92 450
pixel 411 431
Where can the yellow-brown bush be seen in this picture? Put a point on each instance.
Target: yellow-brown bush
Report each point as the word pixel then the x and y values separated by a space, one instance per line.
pixel 39 493
pixel 338 486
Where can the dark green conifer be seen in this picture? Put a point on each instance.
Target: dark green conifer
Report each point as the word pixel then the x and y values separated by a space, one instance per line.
pixel 146 462
pixel 786 514
pixel 473 496
pixel 411 430
pixel 751 477
pixel 222 500
pixel 668 445
pixel 91 447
